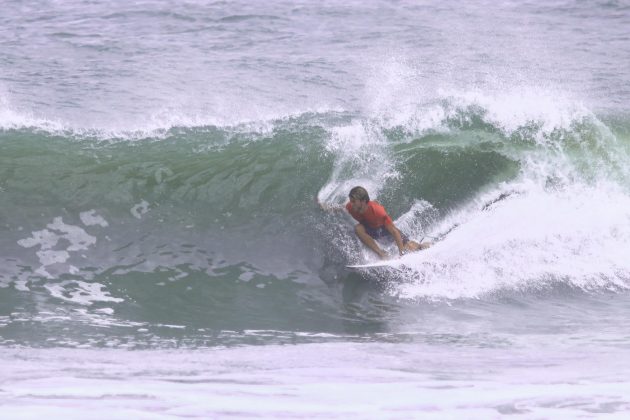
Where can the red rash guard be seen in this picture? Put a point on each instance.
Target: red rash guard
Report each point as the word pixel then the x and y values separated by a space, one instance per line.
pixel 374 216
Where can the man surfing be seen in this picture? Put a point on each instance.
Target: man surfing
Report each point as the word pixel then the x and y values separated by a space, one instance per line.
pixel 375 223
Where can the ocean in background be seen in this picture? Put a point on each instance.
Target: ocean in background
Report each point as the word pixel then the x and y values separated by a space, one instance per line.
pixel 162 254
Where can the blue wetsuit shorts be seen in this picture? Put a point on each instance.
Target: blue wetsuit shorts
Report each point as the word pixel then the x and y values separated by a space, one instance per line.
pixel 382 233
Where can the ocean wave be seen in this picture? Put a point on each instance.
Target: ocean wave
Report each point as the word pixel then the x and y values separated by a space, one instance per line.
pixel 508 187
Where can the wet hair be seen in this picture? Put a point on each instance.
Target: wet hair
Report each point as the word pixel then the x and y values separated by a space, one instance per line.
pixel 359 193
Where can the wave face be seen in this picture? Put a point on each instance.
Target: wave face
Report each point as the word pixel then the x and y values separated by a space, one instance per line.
pixel 160 166
pixel 208 228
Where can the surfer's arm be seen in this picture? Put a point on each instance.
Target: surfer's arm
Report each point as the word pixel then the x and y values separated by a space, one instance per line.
pixel 369 241
pixel 393 230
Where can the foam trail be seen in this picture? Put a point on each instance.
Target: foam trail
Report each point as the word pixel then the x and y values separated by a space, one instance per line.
pixel 529 241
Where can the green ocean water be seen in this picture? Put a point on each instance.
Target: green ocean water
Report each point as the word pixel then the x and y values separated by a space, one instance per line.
pixel 201 234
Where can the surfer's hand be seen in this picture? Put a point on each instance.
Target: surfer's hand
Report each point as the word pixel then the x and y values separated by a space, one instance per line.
pixel 328 207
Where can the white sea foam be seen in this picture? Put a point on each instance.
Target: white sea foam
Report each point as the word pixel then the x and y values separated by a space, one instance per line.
pixel 140 209
pixel 49 257
pixel 402 93
pixel 80 292
pixel 90 218
pixel 397 94
pixel 527 241
pixel 519 106
pixel 353 380
pixel 156 124
pixel 56 231
pixel 10 118
pixel 57 244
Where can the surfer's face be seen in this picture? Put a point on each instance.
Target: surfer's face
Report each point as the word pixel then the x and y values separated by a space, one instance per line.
pixel 358 205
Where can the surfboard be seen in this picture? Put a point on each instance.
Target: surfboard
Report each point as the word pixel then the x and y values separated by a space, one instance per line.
pixel 378 264
pixel 398 262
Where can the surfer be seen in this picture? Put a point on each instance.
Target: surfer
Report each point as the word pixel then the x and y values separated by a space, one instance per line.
pixel 375 223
